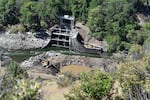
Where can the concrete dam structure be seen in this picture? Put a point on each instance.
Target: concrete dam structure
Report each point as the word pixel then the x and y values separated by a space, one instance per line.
pixel 70 40
pixel 67 36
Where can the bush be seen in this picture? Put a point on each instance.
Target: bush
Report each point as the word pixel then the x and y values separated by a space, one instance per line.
pixel 16 29
pixel 92 86
pixel 114 43
pixel 16 71
pixel 136 52
pixel 26 90
pixel 15 85
pixel 134 79
pixel 66 79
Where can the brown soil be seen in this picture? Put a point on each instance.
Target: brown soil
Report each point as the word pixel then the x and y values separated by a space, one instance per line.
pixel 75 69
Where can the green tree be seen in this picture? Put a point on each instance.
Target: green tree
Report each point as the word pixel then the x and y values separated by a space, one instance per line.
pixel 95 3
pixel 8 12
pixel 96 22
pixel 66 6
pixel 136 36
pixel 114 43
pixel 112 18
pixel 80 10
pixel 29 15
pixel 48 12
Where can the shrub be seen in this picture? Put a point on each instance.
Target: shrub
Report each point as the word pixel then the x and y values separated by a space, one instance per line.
pixel 136 51
pixel 15 85
pixel 17 28
pixel 92 86
pixel 16 71
pixel 66 79
pixel 26 90
pixel 134 79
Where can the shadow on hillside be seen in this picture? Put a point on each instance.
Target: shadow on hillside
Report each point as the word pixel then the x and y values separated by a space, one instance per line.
pixel 42 35
pixel 143 9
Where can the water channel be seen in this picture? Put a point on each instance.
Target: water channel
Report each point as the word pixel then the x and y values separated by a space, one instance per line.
pixel 21 55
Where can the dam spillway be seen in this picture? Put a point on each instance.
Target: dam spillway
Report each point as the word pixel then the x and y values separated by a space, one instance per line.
pixel 69 39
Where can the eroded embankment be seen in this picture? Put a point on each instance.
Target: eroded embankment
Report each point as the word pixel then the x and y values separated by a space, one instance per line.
pixel 51 62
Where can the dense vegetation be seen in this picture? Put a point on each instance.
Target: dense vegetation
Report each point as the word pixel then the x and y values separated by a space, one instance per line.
pixel 94 85
pixel 112 20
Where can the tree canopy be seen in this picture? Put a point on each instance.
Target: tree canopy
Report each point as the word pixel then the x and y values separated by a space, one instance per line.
pixel 106 19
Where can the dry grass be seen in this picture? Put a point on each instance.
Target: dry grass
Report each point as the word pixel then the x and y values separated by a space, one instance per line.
pixel 2 71
pixel 52 92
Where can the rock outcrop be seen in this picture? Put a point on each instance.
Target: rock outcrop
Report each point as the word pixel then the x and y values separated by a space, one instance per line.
pixel 24 41
pixel 5 60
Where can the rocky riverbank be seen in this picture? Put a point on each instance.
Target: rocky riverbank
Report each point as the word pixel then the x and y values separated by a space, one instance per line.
pixel 24 41
pixel 52 61
pixel 5 60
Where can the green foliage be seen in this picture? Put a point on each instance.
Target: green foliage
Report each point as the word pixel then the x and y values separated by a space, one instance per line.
pixel 114 43
pixel 94 85
pixel 136 37
pixel 95 3
pixel 16 28
pixel 135 48
pixel 105 18
pixel 29 15
pixel 112 20
pixel 16 71
pixel 8 14
pixel 15 84
pixel 96 22
pixel 136 51
pixel 133 78
pixel 66 6
pixel 40 14
pixel 49 12
pixel 21 89
pixel 26 89
pixel 80 10
pixel 147 26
